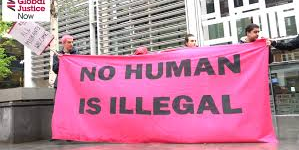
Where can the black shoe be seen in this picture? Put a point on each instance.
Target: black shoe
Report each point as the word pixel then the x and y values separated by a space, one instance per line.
pixel 52 140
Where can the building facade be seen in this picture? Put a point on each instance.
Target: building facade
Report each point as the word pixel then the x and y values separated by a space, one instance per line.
pixel 114 28
pixel 117 27
pixel 223 22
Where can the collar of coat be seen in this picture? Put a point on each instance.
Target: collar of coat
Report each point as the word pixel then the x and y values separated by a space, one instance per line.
pixel 73 51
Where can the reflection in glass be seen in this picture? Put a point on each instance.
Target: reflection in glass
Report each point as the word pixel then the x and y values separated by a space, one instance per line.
pixel 224 9
pixel 253 1
pixel 210 6
pixel 216 31
pixel 238 3
pixel 285 81
pixel 271 3
pixel 290 23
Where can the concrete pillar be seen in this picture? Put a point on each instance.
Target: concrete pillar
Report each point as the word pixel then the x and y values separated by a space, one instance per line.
pixel 28 81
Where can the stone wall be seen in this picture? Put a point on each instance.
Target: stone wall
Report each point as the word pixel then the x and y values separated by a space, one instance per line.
pixel 25 114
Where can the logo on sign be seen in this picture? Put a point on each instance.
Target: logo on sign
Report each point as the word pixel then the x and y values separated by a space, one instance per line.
pixel 26 10
pixel 11 5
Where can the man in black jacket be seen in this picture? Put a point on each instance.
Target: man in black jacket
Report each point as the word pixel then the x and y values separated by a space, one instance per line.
pixel 68 49
pixel 291 45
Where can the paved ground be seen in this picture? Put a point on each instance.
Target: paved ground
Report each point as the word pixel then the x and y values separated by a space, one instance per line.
pixel 62 145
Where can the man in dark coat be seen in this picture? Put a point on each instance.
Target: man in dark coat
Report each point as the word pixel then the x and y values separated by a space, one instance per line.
pixel 68 49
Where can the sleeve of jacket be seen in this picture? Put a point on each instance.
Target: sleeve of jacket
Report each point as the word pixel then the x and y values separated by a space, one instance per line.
pixel 291 45
pixel 55 66
pixel 76 51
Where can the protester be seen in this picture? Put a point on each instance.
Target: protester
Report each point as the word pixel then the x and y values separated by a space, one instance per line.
pixel 141 51
pixel 190 40
pixel 68 49
pixel 252 34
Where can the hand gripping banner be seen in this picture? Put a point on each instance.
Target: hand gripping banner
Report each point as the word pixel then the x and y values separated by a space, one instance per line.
pixel 189 95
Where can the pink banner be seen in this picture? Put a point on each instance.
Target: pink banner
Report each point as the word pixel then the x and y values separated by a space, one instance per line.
pixel 191 95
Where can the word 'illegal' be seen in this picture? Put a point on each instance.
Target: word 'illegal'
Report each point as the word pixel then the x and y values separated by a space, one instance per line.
pixel 160 106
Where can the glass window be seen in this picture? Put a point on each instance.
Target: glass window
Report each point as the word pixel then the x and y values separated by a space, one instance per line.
pixel 284 57
pixel 271 3
pixel 238 3
pixel 285 82
pixel 253 1
pixel 290 23
pixel 210 6
pixel 296 55
pixel 216 31
pixel 224 9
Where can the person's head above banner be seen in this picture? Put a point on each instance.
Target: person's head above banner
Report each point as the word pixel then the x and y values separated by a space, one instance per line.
pixel 67 42
pixel 141 51
pixel 190 40
pixel 252 32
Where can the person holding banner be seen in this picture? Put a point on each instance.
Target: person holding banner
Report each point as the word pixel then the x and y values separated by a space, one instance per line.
pixel 252 34
pixel 141 51
pixel 190 40
pixel 68 49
